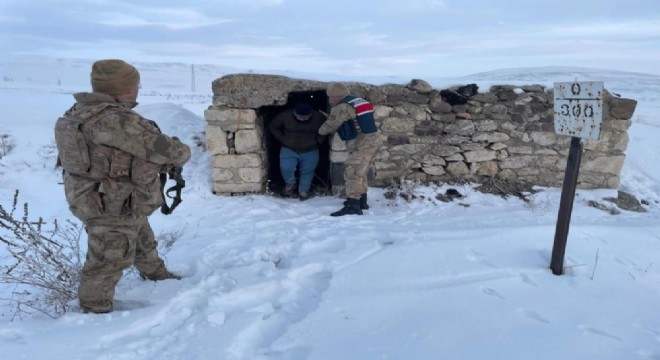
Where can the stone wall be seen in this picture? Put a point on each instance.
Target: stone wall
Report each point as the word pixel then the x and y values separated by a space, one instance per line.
pixel 429 135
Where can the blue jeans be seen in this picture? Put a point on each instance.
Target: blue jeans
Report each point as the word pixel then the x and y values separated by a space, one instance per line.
pixel 289 159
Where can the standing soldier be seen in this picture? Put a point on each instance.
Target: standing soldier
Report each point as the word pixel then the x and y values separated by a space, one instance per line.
pixel 352 118
pixel 111 157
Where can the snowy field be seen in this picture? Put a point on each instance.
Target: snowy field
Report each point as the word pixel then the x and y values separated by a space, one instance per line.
pixel 272 278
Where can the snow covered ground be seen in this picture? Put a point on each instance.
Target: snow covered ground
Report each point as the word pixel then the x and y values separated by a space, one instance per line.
pixel 272 278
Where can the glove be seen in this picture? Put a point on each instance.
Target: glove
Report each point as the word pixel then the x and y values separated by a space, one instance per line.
pixel 174 171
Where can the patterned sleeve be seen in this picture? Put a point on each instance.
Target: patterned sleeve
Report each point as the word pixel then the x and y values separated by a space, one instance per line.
pixel 338 115
pixel 141 138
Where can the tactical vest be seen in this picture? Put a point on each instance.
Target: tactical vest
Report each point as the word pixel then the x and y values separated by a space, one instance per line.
pixel 363 123
pixel 81 157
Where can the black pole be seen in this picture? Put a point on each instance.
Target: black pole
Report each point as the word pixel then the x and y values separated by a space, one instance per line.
pixel 566 206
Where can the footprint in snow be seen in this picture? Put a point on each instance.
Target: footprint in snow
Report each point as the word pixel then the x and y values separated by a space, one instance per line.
pixel 624 261
pixel 534 315
pixel 599 332
pixel 528 280
pixel 478 257
pixel 492 292
pixel 123 305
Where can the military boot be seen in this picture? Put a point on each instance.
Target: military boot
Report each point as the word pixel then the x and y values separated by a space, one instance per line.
pixel 363 202
pixel 96 307
pixel 161 275
pixel 352 207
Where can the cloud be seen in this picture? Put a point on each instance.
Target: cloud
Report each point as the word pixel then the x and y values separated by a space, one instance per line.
pixel 5 11
pixel 253 4
pixel 392 38
pixel 172 18
pixel 384 43
pixel 617 29
pixel 260 3
pixel 412 6
pixel 267 52
pixel 424 5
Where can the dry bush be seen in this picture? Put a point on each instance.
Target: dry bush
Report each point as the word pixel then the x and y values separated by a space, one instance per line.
pixel 406 189
pixel 167 239
pixel 6 145
pixel 504 188
pixel 44 266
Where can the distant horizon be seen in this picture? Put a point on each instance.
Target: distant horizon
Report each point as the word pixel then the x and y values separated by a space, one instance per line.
pixel 494 71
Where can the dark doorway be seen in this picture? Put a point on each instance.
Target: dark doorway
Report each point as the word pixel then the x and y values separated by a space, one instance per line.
pixel 321 184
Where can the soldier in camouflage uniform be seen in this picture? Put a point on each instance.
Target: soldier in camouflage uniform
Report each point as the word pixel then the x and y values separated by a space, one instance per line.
pixel 352 118
pixel 111 157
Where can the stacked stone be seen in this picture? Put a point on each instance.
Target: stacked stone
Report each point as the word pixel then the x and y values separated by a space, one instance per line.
pixel 235 145
pixel 235 132
pixel 507 132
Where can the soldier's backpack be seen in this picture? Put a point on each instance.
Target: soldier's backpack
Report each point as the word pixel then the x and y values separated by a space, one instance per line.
pixel 72 148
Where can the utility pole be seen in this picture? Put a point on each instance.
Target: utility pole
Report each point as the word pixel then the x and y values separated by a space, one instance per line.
pixel 192 81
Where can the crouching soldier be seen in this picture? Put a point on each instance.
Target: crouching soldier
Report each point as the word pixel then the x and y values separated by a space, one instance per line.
pixel 353 119
pixel 111 158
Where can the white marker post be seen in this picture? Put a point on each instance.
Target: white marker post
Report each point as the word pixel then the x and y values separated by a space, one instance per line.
pixel 578 113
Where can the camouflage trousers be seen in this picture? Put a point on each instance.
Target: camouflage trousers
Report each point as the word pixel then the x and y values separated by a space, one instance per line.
pixel 361 154
pixel 114 244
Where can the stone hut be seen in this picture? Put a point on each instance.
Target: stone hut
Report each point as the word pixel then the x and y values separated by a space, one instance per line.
pixel 429 135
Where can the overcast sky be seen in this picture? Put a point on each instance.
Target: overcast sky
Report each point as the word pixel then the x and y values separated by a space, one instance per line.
pixel 415 38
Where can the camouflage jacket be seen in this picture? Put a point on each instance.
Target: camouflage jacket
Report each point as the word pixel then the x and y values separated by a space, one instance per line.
pixel 338 115
pixel 126 154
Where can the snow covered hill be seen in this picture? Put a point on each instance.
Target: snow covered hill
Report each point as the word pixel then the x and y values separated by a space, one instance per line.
pixel 271 278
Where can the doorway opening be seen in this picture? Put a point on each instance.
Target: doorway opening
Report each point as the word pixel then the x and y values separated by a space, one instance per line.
pixel 321 183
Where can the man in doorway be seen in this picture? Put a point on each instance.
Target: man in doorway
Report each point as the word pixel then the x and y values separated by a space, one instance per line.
pixel 111 158
pixel 352 118
pixel 297 130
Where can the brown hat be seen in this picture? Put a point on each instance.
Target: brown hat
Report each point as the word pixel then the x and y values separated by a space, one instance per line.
pixel 114 77
pixel 337 89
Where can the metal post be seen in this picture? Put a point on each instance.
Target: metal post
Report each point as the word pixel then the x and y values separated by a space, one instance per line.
pixel 566 205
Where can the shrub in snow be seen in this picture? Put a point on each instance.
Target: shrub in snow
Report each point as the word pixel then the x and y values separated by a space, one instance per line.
pixel 44 264
pixel 6 145
pixel 406 189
